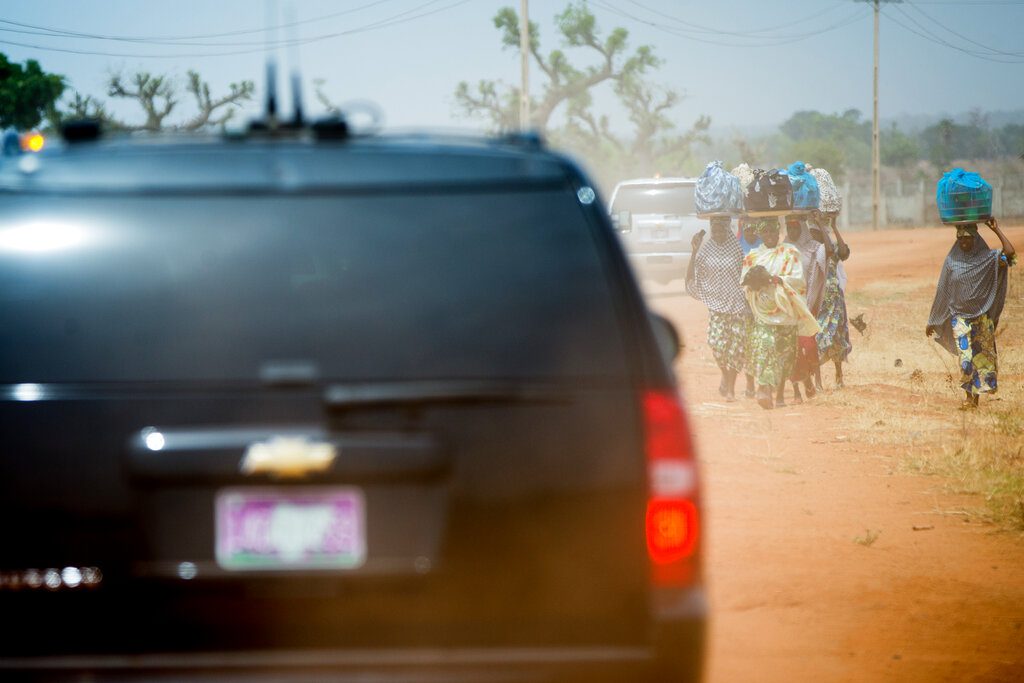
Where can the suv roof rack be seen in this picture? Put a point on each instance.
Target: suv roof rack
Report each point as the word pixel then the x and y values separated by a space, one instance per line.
pixel 525 138
pixel 81 130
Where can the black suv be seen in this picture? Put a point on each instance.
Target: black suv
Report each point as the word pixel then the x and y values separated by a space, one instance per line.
pixel 295 407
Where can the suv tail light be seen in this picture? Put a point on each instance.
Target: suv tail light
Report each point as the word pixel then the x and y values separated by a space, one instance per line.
pixel 673 524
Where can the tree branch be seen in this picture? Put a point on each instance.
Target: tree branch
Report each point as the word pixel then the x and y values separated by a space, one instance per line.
pixel 239 92
pixel 322 98
pixel 147 92
pixel 486 101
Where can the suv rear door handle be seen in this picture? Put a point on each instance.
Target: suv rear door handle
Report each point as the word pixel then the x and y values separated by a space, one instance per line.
pixel 214 456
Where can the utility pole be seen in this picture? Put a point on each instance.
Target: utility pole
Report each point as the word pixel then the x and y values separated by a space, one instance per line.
pixel 524 55
pixel 876 148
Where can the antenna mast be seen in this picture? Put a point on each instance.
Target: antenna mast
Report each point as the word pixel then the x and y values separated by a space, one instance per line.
pixel 271 112
pixel 293 59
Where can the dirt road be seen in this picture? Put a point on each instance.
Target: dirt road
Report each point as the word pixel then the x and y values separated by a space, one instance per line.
pixel 827 560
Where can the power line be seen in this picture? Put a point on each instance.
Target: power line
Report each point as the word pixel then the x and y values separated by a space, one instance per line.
pixel 963 3
pixel 384 23
pixel 174 39
pixel 930 36
pixel 170 43
pixel 768 41
pixel 960 35
pixel 756 33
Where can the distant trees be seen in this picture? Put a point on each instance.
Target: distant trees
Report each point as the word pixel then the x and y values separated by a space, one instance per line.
pixel 939 141
pixel 822 152
pixel 1011 139
pixel 840 128
pixel 898 148
pixel 841 142
pixel 833 141
pixel 27 93
pixel 947 140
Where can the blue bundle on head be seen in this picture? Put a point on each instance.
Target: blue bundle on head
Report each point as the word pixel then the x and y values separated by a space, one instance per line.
pixel 805 187
pixel 963 197
pixel 718 191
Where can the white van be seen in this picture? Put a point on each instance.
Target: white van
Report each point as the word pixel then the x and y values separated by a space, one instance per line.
pixel 656 219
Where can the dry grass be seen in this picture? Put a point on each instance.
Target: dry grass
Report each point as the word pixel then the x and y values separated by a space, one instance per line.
pixel 904 394
pixel 869 537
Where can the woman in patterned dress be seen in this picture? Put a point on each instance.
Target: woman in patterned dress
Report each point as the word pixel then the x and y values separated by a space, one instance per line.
pixel 833 341
pixel 968 302
pixel 775 289
pixel 713 277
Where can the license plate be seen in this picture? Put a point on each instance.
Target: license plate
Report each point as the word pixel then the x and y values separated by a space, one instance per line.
pixel 290 529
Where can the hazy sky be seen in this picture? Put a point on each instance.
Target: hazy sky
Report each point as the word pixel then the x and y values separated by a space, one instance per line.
pixel 410 69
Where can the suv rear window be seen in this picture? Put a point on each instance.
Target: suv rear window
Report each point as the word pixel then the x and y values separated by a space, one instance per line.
pixel 368 287
pixel 674 200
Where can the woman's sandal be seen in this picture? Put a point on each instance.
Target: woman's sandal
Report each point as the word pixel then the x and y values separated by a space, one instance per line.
pixel 970 403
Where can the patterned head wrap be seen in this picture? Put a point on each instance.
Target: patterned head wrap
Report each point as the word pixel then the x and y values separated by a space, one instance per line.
pixel 763 225
pixel 970 230
pixel 721 221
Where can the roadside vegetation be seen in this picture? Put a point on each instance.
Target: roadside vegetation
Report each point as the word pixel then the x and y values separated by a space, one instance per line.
pixel 904 393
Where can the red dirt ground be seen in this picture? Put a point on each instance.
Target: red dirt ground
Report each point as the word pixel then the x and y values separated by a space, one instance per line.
pixel 793 597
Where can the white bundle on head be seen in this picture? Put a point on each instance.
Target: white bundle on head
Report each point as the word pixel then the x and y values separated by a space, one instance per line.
pixel 831 200
pixel 745 175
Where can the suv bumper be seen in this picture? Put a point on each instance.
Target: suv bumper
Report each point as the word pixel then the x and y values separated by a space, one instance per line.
pixel 660 266
pixel 576 665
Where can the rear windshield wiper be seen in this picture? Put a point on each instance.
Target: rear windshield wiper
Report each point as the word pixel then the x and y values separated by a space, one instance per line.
pixel 432 392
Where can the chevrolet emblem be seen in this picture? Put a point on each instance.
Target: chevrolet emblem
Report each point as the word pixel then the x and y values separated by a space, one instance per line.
pixel 288 457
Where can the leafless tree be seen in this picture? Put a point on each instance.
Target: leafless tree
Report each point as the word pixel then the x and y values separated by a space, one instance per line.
pixel 568 90
pixel 207 105
pixel 751 153
pixel 564 83
pixel 322 97
pixel 157 95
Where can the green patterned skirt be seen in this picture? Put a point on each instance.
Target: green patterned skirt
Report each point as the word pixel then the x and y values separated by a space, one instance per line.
pixel 772 353
pixel 834 338
pixel 976 344
pixel 728 334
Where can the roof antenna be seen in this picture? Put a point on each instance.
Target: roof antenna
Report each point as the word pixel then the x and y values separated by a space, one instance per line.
pixel 297 119
pixel 271 7
pixel 291 21
pixel 271 93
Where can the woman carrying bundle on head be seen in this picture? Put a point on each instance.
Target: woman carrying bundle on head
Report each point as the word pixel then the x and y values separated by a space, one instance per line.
pixel 834 339
pixel 713 278
pixel 968 301
pixel 774 281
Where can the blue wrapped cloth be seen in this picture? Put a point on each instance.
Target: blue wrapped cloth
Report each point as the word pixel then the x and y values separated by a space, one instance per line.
pixel 963 197
pixel 805 187
pixel 746 246
pixel 718 191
